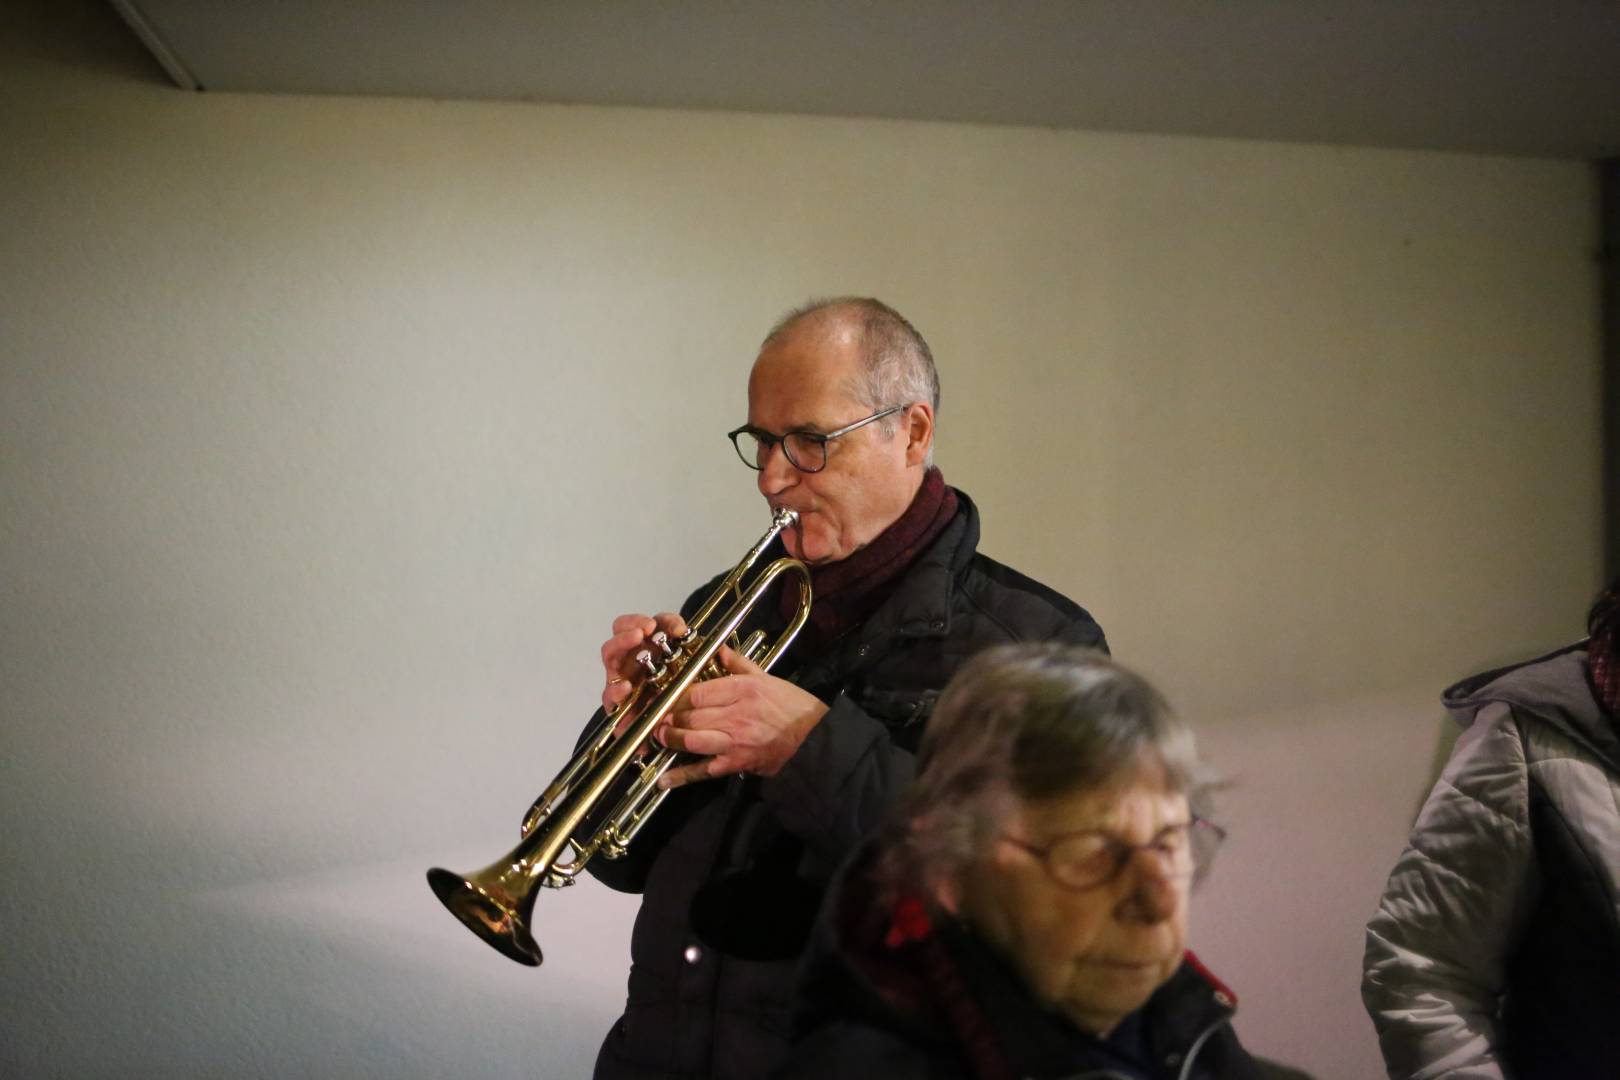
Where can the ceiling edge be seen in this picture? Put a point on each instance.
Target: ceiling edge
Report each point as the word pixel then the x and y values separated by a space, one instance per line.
pixel 157 45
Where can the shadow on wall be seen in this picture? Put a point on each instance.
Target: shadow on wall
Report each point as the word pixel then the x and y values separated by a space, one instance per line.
pixel 355 973
pixel 1319 808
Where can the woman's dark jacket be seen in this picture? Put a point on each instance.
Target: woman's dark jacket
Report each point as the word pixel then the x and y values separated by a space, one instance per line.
pixel 943 1004
pixel 732 871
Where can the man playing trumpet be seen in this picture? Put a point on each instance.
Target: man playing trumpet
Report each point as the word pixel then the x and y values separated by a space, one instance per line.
pixel 790 770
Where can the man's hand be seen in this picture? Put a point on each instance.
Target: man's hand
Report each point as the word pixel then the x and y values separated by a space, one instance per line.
pixel 632 633
pixel 747 722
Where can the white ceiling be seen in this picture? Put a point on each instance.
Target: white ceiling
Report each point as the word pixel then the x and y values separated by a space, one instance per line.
pixel 1536 77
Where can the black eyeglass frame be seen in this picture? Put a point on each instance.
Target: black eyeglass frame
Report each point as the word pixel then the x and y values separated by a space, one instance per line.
pixel 1204 838
pixel 768 440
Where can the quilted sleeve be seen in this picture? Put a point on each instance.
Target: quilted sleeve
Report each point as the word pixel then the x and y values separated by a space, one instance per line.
pixel 1435 950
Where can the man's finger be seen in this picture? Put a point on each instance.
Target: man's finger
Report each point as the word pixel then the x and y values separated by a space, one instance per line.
pixel 724 717
pixel 644 623
pixel 614 648
pixel 707 695
pixel 687 774
pixel 670 623
pixel 617 689
pixel 738 664
pixel 707 743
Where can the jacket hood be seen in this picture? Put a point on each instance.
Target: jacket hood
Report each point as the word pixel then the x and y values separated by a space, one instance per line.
pixel 1553 688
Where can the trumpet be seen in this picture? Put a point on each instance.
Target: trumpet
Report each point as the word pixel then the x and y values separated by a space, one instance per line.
pixel 618 761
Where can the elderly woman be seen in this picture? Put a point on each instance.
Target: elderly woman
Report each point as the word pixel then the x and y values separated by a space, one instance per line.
pixel 1024 913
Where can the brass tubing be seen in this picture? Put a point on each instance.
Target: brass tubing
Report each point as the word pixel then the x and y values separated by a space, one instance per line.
pixel 497 902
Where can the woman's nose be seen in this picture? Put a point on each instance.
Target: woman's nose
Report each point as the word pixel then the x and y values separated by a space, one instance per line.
pixel 1154 886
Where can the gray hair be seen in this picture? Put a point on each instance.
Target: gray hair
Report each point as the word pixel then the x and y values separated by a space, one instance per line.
pixel 897 365
pixel 1032 721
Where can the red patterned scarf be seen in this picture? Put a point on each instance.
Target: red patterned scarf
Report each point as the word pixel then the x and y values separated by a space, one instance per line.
pixel 912 928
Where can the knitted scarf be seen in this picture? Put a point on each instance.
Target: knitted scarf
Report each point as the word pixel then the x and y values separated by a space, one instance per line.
pixel 848 591
pixel 1603 666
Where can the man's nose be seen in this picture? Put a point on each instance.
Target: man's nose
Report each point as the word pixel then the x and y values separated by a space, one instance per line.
pixel 777 473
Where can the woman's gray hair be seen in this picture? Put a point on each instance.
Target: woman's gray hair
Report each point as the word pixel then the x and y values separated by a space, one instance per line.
pixel 1034 722
pixel 897 365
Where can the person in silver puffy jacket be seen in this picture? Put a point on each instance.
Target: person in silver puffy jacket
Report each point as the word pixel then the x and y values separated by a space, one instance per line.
pixel 1495 951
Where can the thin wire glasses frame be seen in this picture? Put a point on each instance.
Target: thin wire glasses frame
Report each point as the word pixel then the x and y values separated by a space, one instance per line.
pixel 796 445
pixel 1089 858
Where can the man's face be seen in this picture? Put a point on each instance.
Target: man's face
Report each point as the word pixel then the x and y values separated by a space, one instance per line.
pixel 1095 954
pixel 806 382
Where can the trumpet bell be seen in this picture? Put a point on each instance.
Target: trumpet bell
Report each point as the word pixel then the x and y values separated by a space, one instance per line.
pixel 487 912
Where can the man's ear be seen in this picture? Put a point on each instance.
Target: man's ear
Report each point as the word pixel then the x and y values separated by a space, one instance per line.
pixel 919 432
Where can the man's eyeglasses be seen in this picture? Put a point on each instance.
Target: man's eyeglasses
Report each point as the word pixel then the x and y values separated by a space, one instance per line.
pixel 805 450
pixel 1083 860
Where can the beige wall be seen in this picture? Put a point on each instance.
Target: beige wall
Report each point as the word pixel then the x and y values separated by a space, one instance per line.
pixel 332 432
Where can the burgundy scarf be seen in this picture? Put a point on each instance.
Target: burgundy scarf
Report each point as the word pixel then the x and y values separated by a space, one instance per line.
pixel 849 590
pixel 1601 662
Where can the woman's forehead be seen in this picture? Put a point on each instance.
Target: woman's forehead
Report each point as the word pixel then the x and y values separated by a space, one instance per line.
pixel 1141 799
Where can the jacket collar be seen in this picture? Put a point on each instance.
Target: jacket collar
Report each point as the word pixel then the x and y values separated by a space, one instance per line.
pixel 920 606
pixel 1041 1043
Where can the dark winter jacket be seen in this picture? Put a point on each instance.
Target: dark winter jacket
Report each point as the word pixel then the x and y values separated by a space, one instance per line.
pixel 1496 948
pixel 949 1007
pixel 732 871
